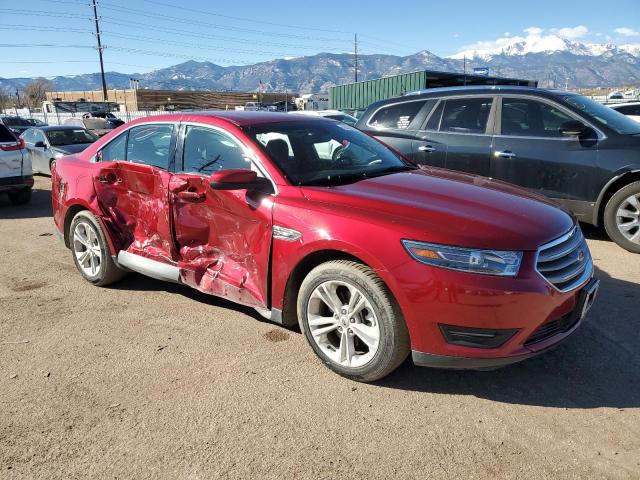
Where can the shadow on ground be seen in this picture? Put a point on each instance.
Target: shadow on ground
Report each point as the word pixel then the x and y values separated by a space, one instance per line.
pixel 38 207
pixel 598 366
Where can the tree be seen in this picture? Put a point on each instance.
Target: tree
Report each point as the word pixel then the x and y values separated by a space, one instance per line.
pixel 5 101
pixel 35 92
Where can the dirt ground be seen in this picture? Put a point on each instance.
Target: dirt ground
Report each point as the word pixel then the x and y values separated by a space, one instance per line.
pixel 152 380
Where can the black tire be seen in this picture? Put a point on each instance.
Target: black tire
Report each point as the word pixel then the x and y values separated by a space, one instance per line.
pixel 393 346
pixel 52 165
pixel 108 272
pixel 610 213
pixel 21 197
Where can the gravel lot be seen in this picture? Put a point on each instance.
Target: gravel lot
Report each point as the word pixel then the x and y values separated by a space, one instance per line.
pixel 152 380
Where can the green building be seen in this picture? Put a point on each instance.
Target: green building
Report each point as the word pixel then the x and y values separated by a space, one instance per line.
pixel 359 95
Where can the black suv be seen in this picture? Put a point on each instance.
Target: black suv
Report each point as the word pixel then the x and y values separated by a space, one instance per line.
pixel 582 154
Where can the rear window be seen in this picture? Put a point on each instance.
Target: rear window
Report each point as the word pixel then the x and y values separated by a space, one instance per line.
pixel 6 135
pixel 398 116
pixel 15 122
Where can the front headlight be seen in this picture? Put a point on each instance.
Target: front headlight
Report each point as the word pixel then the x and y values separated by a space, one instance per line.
pixel 487 262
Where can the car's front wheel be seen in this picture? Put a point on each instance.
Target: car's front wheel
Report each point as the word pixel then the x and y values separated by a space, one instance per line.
pixel 90 250
pixel 622 217
pixel 352 321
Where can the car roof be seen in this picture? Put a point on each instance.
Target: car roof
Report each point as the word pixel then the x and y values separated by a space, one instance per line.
pixel 623 104
pixel 239 118
pixel 470 90
pixel 46 128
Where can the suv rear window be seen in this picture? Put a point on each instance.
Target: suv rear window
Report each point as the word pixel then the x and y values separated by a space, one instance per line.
pixel 6 135
pixel 397 116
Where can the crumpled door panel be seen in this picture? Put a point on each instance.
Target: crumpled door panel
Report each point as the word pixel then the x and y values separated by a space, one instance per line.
pixel 134 199
pixel 224 240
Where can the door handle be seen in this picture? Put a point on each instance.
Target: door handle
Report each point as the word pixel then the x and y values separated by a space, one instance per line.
pixel 191 196
pixel 505 154
pixel 426 148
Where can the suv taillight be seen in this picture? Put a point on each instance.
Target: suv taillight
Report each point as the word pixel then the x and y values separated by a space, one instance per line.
pixel 7 147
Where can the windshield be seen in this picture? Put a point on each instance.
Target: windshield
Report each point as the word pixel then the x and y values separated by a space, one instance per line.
pixel 605 115
pixel 69 137
pixel 325 153
pixel 16 122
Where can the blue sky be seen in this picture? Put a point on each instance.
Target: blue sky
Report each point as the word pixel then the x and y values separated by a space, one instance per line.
pixel 142 35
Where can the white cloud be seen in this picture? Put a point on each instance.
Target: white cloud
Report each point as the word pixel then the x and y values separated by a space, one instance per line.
pixel 571 32
pixel 627 32
pixel 506 34
pixel 533 31
pixel 456 35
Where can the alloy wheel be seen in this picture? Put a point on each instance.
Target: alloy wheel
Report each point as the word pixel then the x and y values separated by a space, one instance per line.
pixel 86 248
pixel 628 218
pixel 343 323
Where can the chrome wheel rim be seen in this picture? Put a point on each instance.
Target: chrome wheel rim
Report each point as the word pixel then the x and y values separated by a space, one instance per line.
pixel 86 248
pixel 343 324
pixel 628 218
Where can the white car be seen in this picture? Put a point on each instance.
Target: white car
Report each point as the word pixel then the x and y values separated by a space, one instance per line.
pixel 630 109
pixel 332 114
pixel 16 177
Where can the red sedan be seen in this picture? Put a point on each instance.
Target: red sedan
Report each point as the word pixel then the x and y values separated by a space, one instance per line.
pixel 311 222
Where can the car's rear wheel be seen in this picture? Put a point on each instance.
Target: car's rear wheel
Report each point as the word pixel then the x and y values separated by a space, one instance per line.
pixel 352 321
pixel 90 250
pixel 622 217
pixel 21 197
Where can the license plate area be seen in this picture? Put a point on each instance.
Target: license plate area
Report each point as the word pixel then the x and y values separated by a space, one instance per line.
pixel 588 296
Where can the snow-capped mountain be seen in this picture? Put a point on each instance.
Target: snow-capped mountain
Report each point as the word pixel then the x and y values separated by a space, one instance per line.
pixel 537 43
pixel 550 59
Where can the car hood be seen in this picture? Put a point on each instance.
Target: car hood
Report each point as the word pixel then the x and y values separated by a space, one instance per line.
pixel 442 206
pixel 69 149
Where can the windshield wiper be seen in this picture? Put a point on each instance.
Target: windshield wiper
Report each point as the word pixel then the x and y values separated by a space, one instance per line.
pixel 392 169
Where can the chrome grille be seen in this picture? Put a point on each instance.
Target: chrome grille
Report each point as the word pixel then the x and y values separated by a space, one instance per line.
pixel 565 262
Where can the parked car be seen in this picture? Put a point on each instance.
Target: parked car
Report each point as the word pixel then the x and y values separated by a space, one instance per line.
pixel 14 123
pixel 47 144
pixel 283 106
pixel 16 178
pixel 370 255
pixel 254 106
pixel 110 118
pixel 631 109
pixel 97 126
pixel 580 153
pixel 34 122
pixel 332 114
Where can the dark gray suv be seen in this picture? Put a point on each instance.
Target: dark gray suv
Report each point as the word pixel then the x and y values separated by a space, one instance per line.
pixel 582 154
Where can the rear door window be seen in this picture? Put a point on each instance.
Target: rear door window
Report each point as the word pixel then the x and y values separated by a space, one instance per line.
pixel 398 116
pixel 6 135
pixel 466 115
pixel 150 145
pixel 115 149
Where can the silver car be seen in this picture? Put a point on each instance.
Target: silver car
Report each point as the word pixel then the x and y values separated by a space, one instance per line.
pixel 16 178
pixel 46 144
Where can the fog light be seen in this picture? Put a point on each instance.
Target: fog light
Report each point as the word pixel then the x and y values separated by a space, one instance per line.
pixel 476 337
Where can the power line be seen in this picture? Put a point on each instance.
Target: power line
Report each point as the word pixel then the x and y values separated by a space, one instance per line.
pixel 244 19
pixel 192 22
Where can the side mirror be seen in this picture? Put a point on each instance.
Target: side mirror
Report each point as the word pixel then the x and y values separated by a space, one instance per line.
pixel 39 144
pixel 573 128
pixel 240 179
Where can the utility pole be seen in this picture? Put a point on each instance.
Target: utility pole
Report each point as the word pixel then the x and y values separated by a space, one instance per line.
pixel 100 49
pixel 465 69
pixel 355 44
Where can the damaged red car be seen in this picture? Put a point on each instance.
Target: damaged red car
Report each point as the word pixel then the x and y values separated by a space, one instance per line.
pixel 312 222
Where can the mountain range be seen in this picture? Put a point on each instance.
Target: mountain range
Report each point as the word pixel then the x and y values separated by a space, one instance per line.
pixel 554 63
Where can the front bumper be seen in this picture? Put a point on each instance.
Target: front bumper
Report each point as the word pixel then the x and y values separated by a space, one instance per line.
pixel 572 321
pixel 16 183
